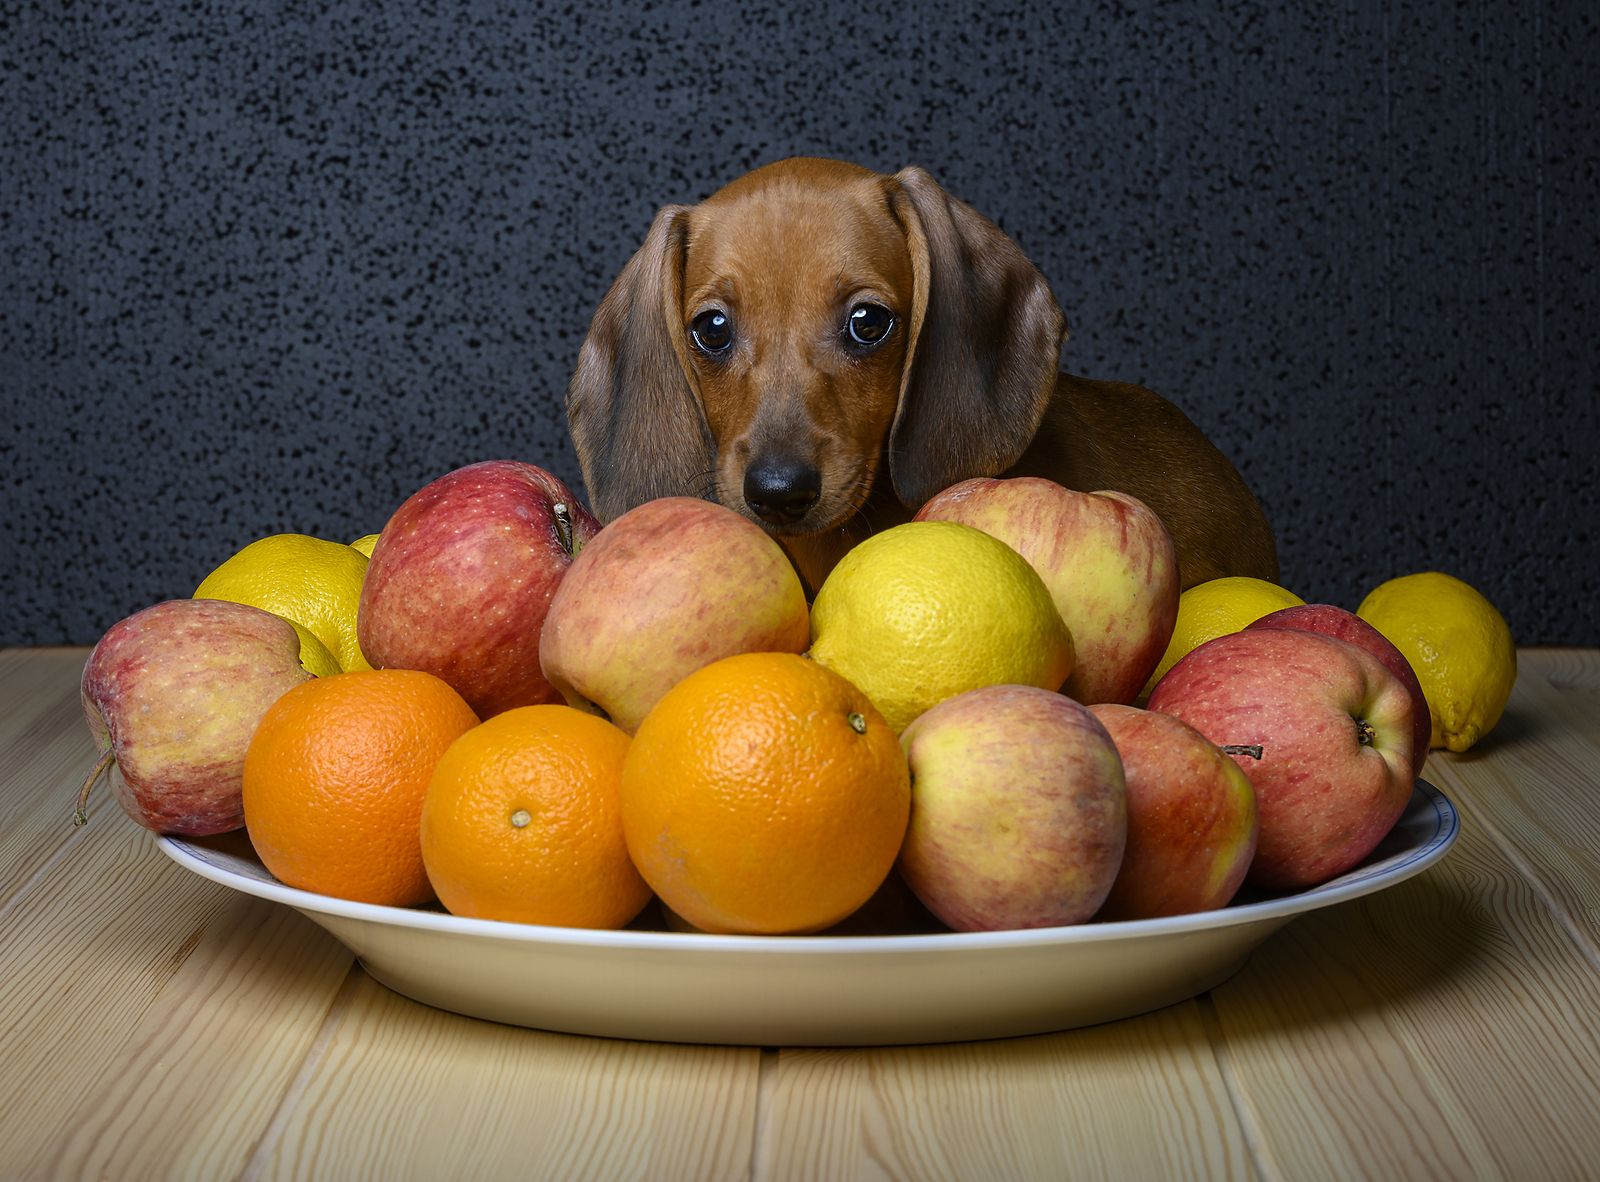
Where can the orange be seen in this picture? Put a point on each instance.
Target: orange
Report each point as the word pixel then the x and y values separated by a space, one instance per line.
pixel 523 822
pixel 764 794
pixel 334 781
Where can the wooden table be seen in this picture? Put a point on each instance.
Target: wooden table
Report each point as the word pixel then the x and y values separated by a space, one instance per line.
pixel 154 1025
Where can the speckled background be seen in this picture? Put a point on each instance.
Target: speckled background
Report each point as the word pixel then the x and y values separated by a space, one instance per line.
pixel 276 271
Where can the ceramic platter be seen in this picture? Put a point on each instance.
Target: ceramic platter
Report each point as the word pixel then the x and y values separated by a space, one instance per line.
pixel 828 990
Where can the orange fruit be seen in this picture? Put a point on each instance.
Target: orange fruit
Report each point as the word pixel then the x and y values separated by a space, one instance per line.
pixel 523 822
pixel 764 794
pixel 334 780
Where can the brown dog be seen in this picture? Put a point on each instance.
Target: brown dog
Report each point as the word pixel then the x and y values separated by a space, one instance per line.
pixel 823 348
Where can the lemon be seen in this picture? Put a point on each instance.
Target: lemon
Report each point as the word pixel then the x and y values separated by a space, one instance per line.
pixel 314 655
pixel 1459 646
pixel 930 609
pixel 306 580
pixel 1217 608
pixel 365 543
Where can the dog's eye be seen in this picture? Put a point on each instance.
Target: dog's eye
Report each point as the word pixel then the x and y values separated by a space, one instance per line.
pixel 712 331
pixel 869 324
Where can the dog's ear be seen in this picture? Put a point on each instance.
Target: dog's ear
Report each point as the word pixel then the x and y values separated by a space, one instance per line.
pixel 635 419
pixel 985 344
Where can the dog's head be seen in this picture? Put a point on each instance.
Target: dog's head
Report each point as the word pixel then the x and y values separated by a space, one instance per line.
pixel 773 345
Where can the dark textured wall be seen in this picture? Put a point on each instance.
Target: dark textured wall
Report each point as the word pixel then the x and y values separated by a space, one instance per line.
pixel 275 271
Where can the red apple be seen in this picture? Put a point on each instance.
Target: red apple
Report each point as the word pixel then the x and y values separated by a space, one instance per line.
pixel 1107 559
pixel 1192 820
pixel 1018 812
pixel 1334 733
pixel 1344 625
pixel 462 576
pixel 666 588
pixel 172 696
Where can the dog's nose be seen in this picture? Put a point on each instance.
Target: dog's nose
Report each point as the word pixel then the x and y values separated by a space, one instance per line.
pixel 780 490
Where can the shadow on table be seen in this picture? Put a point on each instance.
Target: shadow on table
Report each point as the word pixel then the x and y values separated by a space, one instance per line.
pixel 1396 948
pixel 1521 723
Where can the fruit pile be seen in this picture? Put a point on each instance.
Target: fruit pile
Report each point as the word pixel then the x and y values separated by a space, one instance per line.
pixel 501 706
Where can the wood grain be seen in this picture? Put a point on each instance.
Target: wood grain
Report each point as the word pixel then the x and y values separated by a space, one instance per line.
pixel 1564 668
pixel 197 1079
pixel 36 681
pixel 1142 1098
pixel 45 751
pixel 402 1091
pixel 1533 784
pixel 86 950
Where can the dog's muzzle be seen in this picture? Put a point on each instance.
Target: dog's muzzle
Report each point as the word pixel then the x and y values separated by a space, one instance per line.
pixel 781 489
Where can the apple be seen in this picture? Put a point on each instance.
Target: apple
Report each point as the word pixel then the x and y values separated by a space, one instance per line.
pixel 461 578
pixel 1018 811
pixel 1322 729
pixel 1192 820
pixel 1108 561
pixel 666 588
pixel 172 696
pixel 1344 625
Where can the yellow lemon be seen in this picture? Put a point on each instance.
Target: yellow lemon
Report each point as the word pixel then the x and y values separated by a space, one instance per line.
pixel 930 609
pixel 1217 608
pixel 365 543
pixel 305 580
pixel 314 655
pixel 1459 646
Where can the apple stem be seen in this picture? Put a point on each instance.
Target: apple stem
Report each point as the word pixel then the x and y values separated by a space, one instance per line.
pixel 1365 735
pixel 564 534
pixel 80 815
pixel 1253 750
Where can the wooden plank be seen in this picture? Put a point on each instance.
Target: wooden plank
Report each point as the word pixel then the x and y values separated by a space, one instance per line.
pixel 1540 710
pixel 45 751
pixel 33 683
pixel 199 1075
pixel 1143 1098
pixel 402 1091
pixel 1533 784
pixel 1564 668
pixel 87 947
pixel 1443 1028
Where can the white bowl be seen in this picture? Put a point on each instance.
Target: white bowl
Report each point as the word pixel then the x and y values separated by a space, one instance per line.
pixel 815 990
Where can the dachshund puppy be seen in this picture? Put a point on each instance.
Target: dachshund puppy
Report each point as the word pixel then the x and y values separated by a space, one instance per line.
pixel 823 348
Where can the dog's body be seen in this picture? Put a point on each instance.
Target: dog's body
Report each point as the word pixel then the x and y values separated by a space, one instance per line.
pixel 823 348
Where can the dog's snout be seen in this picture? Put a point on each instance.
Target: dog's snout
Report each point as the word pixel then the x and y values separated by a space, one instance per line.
pixel 781 489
